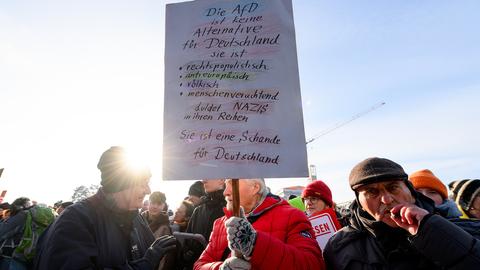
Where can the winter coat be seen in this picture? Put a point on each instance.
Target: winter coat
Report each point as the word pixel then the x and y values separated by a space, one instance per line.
pixel 11 232
pixel 285 239
pixel 160 225
pixel 94 234
pixel 448 209
pixel 369 244
pixel 201 222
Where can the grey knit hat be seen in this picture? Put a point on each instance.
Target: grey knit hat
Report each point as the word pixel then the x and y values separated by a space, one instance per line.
pixel 373 170
pixel 117 175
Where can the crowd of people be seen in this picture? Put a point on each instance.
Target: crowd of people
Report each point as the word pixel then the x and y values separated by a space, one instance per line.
pixel 395 221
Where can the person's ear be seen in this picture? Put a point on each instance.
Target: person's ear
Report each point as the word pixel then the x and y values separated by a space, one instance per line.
pixel 257 187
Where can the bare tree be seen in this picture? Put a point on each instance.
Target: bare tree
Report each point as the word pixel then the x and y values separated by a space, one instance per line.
pixel 83 192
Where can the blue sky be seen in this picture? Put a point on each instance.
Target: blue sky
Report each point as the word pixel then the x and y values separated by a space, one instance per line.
pixel 79 76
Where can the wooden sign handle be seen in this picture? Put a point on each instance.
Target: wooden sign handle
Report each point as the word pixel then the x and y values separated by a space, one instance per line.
pixel 236 205
pixel 236 198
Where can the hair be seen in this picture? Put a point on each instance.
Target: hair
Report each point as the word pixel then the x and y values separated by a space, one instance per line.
pixel 263 187
pixel 190 207
pixel 157 197
pixel 66 204
pixel 18 205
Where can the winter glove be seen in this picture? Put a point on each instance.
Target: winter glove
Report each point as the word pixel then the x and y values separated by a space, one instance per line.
pixel 234 263
pixel 241 235
pixel 159 248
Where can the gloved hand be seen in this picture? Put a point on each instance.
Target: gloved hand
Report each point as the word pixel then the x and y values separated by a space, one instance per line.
pixel 234 263
pixel 241 235
pixel 159 248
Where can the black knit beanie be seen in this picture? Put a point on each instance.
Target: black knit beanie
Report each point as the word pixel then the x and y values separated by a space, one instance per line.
pixel 117 175
pixel 455 186
pixel 197 189
pixel 374 170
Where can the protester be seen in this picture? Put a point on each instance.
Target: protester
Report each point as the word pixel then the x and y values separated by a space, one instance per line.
pixel 182 215
pixel 18 234
pixel 106 231
pixel 62 207
pixel 297 203
pixel 468 198
pixel 425 182
pixel 11 231
pixel 202 219
pixel 4 211
pixel 145 205
pixel 394 227
pixel 157 219
pixel 454 187
pixel 56 205
pixel 270 234
pixel 317 196
pixel 196 192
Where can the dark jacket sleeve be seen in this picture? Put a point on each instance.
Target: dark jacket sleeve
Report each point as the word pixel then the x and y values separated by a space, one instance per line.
pixel 70 244
pixel 12 226
pixel 446 244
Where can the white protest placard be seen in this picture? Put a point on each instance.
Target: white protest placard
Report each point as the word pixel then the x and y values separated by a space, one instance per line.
pixel 232 96
pixel 324 225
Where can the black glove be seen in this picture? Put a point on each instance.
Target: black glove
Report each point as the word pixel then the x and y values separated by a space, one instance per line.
pixel 159 248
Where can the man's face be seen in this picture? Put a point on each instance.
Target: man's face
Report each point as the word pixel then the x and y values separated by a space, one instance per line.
pixel 212 185
pixel 247 190
pixel 132 198
pixel 432 194
pixel 313 204
pixel 378 198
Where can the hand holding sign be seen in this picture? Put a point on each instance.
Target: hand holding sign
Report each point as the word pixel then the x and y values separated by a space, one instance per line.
pixel 241 235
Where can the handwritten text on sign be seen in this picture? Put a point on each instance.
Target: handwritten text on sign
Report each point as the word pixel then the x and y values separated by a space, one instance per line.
pixel 232 96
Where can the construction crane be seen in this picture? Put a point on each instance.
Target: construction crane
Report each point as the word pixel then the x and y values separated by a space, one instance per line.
pixel 341 124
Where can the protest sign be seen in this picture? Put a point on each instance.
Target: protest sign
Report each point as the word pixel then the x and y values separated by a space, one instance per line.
pixel 232 96
pixel 2 195
pixel 324 224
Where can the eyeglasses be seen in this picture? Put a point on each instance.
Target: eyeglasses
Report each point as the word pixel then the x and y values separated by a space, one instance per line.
pixel 311 199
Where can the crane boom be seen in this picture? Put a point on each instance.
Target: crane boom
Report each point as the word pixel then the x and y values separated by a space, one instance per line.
pixel 341 124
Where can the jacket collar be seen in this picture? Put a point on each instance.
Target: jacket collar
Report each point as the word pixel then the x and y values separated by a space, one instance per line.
pixel 109 203
pixel 214 196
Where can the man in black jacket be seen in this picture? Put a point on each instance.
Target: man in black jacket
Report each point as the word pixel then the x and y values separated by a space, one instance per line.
pixel 202 219
pixel 106 231
pixel 394 227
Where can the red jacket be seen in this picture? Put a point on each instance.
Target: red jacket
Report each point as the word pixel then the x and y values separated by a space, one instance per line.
pixel 285 239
